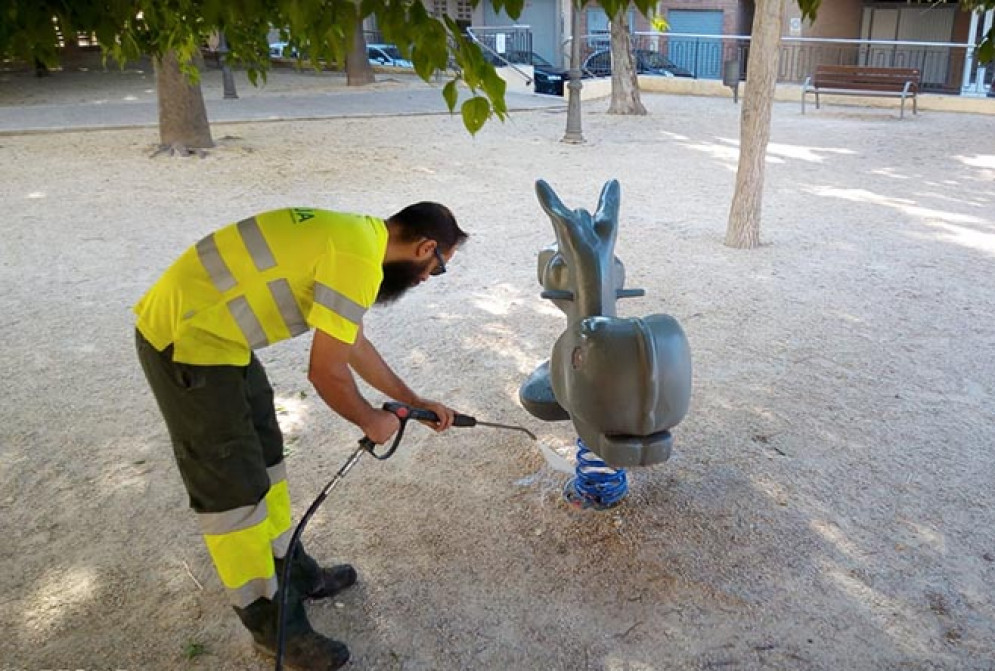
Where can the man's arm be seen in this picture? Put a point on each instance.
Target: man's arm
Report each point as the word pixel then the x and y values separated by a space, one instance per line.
pixel 367 362
pixel 329 373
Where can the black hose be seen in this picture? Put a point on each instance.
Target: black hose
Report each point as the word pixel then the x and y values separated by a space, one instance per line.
pixel 403 413
pixel 365 445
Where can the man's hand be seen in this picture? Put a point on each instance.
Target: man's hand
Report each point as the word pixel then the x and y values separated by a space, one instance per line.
pixel 381 426
pixel 446 414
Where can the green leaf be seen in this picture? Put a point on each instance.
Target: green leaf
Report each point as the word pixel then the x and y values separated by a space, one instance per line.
pixel 475 112
pixel 494 87
pixel 645 7
pixel 424 63
pixel 450 93
pixel 809 8
pixel 986 50
pixel 514 8
pixel 613 7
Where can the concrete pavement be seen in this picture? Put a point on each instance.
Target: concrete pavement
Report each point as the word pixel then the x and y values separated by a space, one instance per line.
pixel 103 115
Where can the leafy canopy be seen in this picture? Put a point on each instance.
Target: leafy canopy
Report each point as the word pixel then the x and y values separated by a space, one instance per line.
pixel 321 29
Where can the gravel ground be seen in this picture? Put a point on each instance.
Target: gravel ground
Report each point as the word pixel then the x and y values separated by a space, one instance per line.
pixel 829 502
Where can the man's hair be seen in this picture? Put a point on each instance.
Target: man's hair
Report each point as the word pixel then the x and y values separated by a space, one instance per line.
pixel 428 220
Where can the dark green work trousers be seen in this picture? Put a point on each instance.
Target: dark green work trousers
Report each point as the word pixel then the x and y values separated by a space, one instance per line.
pixel 222 424
pixel 225 434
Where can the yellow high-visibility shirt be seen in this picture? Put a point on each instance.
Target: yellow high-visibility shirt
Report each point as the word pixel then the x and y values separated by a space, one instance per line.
pixel 265 279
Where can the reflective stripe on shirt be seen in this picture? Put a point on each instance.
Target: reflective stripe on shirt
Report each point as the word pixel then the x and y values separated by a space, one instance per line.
pixel 251 326
pixel 248 322
pixel 338 303
pixel 290 311
pixel 263 279
pixel 262 257
pixel 214 264
pixel 254 241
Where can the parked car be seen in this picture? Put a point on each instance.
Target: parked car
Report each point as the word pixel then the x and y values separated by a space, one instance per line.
pixel 282 50
pixel 647 62
pixel 547 78
pixel 387 54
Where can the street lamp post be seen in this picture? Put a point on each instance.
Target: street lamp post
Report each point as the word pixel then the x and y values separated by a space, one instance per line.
pixel 227 78
pixel 573 134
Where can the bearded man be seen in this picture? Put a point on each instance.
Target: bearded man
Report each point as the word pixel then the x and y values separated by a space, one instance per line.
pixel 267 278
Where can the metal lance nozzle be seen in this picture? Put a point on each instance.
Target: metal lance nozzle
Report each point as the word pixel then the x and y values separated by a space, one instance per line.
pixel 466 420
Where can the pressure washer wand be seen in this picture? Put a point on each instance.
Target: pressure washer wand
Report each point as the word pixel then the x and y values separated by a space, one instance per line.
pixel 460 419
pixel 466 420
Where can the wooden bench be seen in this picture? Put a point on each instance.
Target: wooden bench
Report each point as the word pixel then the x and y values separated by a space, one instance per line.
pixel 858 80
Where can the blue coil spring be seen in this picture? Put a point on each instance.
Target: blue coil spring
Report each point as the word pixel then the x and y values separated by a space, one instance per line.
pixel 597 483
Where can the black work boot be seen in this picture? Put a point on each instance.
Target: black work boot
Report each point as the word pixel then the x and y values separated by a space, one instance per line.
pixel 309 652
pixel 331 581
pixel 304 648
pixel 314 581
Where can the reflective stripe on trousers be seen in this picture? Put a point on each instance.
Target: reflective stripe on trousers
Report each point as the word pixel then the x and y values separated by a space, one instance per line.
pixel 243 542
pixel 278 504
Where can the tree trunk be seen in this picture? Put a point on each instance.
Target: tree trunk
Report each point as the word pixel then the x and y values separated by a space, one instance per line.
pixel 182 115
pixel 743 230
pixel 625 82
pixel 358 71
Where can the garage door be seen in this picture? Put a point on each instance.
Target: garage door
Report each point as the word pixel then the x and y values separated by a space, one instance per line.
pixel 700 55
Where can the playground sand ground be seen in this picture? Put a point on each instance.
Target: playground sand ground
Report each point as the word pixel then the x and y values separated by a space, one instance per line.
pixel 829 501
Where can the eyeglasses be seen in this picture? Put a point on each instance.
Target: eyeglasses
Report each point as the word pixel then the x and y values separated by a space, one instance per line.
pixel 440 269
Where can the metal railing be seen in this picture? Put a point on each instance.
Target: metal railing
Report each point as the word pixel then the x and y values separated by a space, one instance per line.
pixel 503 40
pixel 946 67
pixel 505 46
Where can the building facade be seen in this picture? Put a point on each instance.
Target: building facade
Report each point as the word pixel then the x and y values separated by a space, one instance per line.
pixel 845 31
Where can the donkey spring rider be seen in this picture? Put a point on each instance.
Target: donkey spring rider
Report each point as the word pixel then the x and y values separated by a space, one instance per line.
pixel 624 382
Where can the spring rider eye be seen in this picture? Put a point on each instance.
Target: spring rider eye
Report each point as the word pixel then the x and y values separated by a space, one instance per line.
pixel 623 382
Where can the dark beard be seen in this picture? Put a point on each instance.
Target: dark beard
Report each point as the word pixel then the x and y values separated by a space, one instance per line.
pixel 398 277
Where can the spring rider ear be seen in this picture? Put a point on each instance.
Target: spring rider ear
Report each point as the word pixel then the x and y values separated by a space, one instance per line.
pixel 624 382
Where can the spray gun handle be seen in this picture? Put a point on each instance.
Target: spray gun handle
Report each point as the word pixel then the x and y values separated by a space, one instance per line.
pixel 405 412
pixel 464 420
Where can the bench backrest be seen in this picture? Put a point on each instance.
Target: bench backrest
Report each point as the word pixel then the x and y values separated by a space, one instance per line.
pixel 865 78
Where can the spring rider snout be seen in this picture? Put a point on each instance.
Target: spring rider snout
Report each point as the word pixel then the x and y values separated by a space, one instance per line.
pixel 623 382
